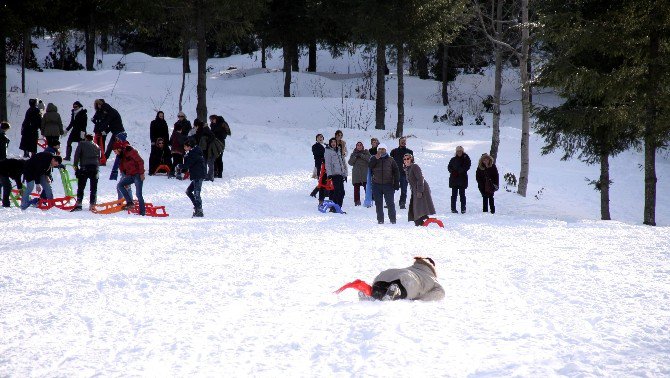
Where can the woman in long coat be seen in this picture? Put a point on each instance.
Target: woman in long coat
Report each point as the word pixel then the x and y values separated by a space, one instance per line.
pixel 30 129
pixel 359 160
pixel 421 203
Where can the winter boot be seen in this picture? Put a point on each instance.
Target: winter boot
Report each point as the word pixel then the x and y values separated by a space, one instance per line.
pixel 392 293
pixel 77 207
pixel 198 213
pixel 314 192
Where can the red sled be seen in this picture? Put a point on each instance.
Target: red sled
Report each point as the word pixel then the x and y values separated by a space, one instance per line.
pixel 359 285
pixel 42 143
pixel 149 210
pixel 433 220
pixel 61 203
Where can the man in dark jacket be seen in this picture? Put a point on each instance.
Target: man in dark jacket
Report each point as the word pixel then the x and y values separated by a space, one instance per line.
pixel 30 129
pixel 195 164
pixel 385 182
pixel 205 139
pixel 397 154
pixel 132 167
pixel 4 141
pixel 86 162
pixel 458 167
pixel 110 123
pixel 221 131
pixel 77 127
pixel 10 169
pixel 36 171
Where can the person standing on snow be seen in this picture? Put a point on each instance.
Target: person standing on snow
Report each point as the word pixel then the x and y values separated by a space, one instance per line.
pixel 374 142
pixel 185 125
pixel 30 129
pixel 318 151
pixel 52 125
pixel 10 169
pixel 36 172
pixel 77 127
pixel 177 140
pixel 221 131
pixel 158 129
pixel 132 167
pixel 398 154
pixel 4 141
pixel 416 282
pixel 336 169
pixel 421 203
pixel 385 182
pixel 110 123
pixel 487 181
pixel 86 162
pixel 458 168
pixel 359 160
pixel 194 162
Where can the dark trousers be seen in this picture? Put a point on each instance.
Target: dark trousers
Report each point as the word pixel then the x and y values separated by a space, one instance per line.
pixel 52 140
pixel 176 159
pixel 379 289
pixel 72 138
pixel 126 181
pixel 386 192
pixel 487 201
pixel 338 193
pixel 218 166
pixel 210 169
pixel 108 150
pixel 403 189
pixel 84 174
pixel 6 189
pixel 457 192
pixel 357 192
pixel 193 193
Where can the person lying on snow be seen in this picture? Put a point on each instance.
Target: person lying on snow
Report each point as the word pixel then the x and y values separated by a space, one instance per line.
pixel 416 282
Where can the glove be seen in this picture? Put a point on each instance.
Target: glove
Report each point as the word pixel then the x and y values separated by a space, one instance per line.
pixel 419 195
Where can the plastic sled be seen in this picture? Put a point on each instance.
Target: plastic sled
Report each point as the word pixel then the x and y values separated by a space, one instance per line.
pixel 368 190
pixel 62 203
pixel 328 204
pixel 100 142
pixel 67 181
pixel 359 285
pixel 109 207
pixel 163 169
pixel 328 183
pixel 42 142
pixel 149 210
pixel 433 220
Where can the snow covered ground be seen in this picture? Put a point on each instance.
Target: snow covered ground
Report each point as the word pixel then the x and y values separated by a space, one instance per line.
pixel 541 288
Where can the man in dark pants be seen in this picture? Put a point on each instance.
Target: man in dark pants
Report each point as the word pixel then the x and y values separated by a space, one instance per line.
pixel 221 130
pixel 86 162
pixel 397 154
pixel 194 162
pixel 385 182
pixel 458 167
pixel 10 169
pixel 110 123
pixel 36 172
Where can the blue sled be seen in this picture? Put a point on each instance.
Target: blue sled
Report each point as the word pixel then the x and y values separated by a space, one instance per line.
pixel 328 204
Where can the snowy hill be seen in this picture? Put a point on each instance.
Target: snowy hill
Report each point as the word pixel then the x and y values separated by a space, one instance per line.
pixel 541 288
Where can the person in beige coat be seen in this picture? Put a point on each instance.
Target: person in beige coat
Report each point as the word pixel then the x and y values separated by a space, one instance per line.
pixel 416 282
pixel 359 174
pixel 421 203
pixel 52 125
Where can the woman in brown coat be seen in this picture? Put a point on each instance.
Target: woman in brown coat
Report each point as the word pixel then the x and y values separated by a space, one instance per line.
pixel 359 160
pixel 487 181
pixel 421 203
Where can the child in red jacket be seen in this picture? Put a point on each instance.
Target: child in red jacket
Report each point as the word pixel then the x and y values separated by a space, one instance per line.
pixel 132 167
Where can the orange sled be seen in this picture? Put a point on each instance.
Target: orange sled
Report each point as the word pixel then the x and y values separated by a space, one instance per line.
pixel 162 169
pixel 109 207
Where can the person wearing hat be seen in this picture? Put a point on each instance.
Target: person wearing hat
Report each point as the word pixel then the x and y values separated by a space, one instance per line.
pixel 36 172
pixel 30 129
pixel 184 123
pixel 385 181
pixel 77 127
pixel 132 168
pixel 487 181
pixel 86 162
pixel 458 167
pixel 416 282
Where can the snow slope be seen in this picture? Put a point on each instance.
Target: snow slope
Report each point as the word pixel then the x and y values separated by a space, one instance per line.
pixel 541 288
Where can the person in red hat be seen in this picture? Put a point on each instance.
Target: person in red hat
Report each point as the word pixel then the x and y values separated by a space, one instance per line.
pixel 132 168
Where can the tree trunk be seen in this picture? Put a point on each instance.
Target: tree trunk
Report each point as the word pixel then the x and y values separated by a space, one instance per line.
pixel 288 57
pixel 445 74
pixel 263 54
pixel 605 187
pixel 201 33
pixel 89 40
pixel 401 90
pixel 24 58
pixel 104 41
pixel 650 142
pixel 525 100
pixel 422 66
pixel 296 58
pixel 380 101
pixel 3 76
pixel 311 66
pixel 185 63
pixel 497 90
pixel 530 75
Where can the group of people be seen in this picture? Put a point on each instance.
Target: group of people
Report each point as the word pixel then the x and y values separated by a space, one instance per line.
pixel 195 149
pixel 394 171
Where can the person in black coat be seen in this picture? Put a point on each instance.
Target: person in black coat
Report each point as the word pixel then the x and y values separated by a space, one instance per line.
pixel 36 172
pixel 458 167
pixel 30 129
pixel 221 131
pixel 318 151
pixel 194 162
pixel 160 155
pixel 4 141
pixel 487 181
pixel 158 129
pixel 374 142
pixel 110 123
pixel 77 127
pixel 10 169
pixel 398 154
pixel 204 138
